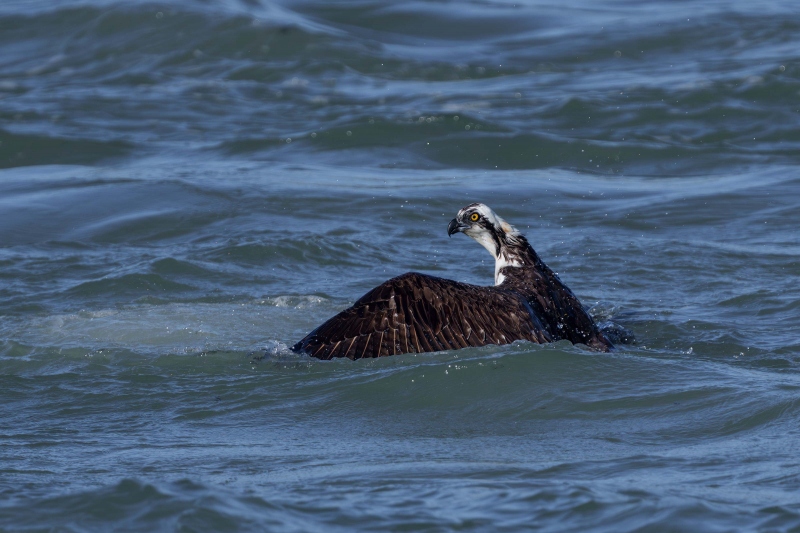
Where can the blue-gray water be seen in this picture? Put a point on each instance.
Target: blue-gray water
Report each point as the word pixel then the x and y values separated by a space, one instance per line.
pixel 188 186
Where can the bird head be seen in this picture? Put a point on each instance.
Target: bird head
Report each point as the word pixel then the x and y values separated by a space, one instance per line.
pixel 499 237
pixel 484 225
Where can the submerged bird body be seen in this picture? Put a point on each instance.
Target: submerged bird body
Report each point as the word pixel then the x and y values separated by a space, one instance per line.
pixel 416 313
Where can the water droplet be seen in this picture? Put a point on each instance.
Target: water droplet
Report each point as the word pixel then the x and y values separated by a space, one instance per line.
pixel 349 133
pixel 617 54
pixel 159 15
pixel 314 135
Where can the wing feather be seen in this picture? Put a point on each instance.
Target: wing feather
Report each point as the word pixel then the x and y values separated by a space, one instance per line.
pixel 416 313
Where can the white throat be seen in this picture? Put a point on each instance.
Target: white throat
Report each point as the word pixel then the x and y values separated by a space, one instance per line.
pixel 501 259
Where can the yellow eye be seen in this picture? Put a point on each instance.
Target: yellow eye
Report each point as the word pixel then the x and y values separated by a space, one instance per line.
pixel 474 217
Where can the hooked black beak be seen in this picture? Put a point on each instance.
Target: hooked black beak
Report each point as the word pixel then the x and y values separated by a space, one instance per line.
pixel 454 227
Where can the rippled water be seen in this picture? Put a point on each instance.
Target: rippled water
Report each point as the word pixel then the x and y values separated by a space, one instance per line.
pixel 187 188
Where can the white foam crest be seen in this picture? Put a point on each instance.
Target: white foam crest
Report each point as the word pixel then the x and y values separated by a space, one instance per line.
pixel 174 328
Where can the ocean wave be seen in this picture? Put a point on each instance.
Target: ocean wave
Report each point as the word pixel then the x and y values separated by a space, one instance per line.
pixel 295 80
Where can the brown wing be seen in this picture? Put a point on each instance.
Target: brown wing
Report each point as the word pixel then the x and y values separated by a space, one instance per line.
pixel 415 313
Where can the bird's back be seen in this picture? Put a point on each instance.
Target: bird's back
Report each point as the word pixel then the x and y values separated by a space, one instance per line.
pixel 556 306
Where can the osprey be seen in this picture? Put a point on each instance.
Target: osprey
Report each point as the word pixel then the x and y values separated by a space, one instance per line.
pixel 416 313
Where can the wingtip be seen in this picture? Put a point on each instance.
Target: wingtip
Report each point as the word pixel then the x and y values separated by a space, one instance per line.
pixel 302 346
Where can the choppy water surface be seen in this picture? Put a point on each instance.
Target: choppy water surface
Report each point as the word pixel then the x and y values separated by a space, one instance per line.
pixel 186 187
